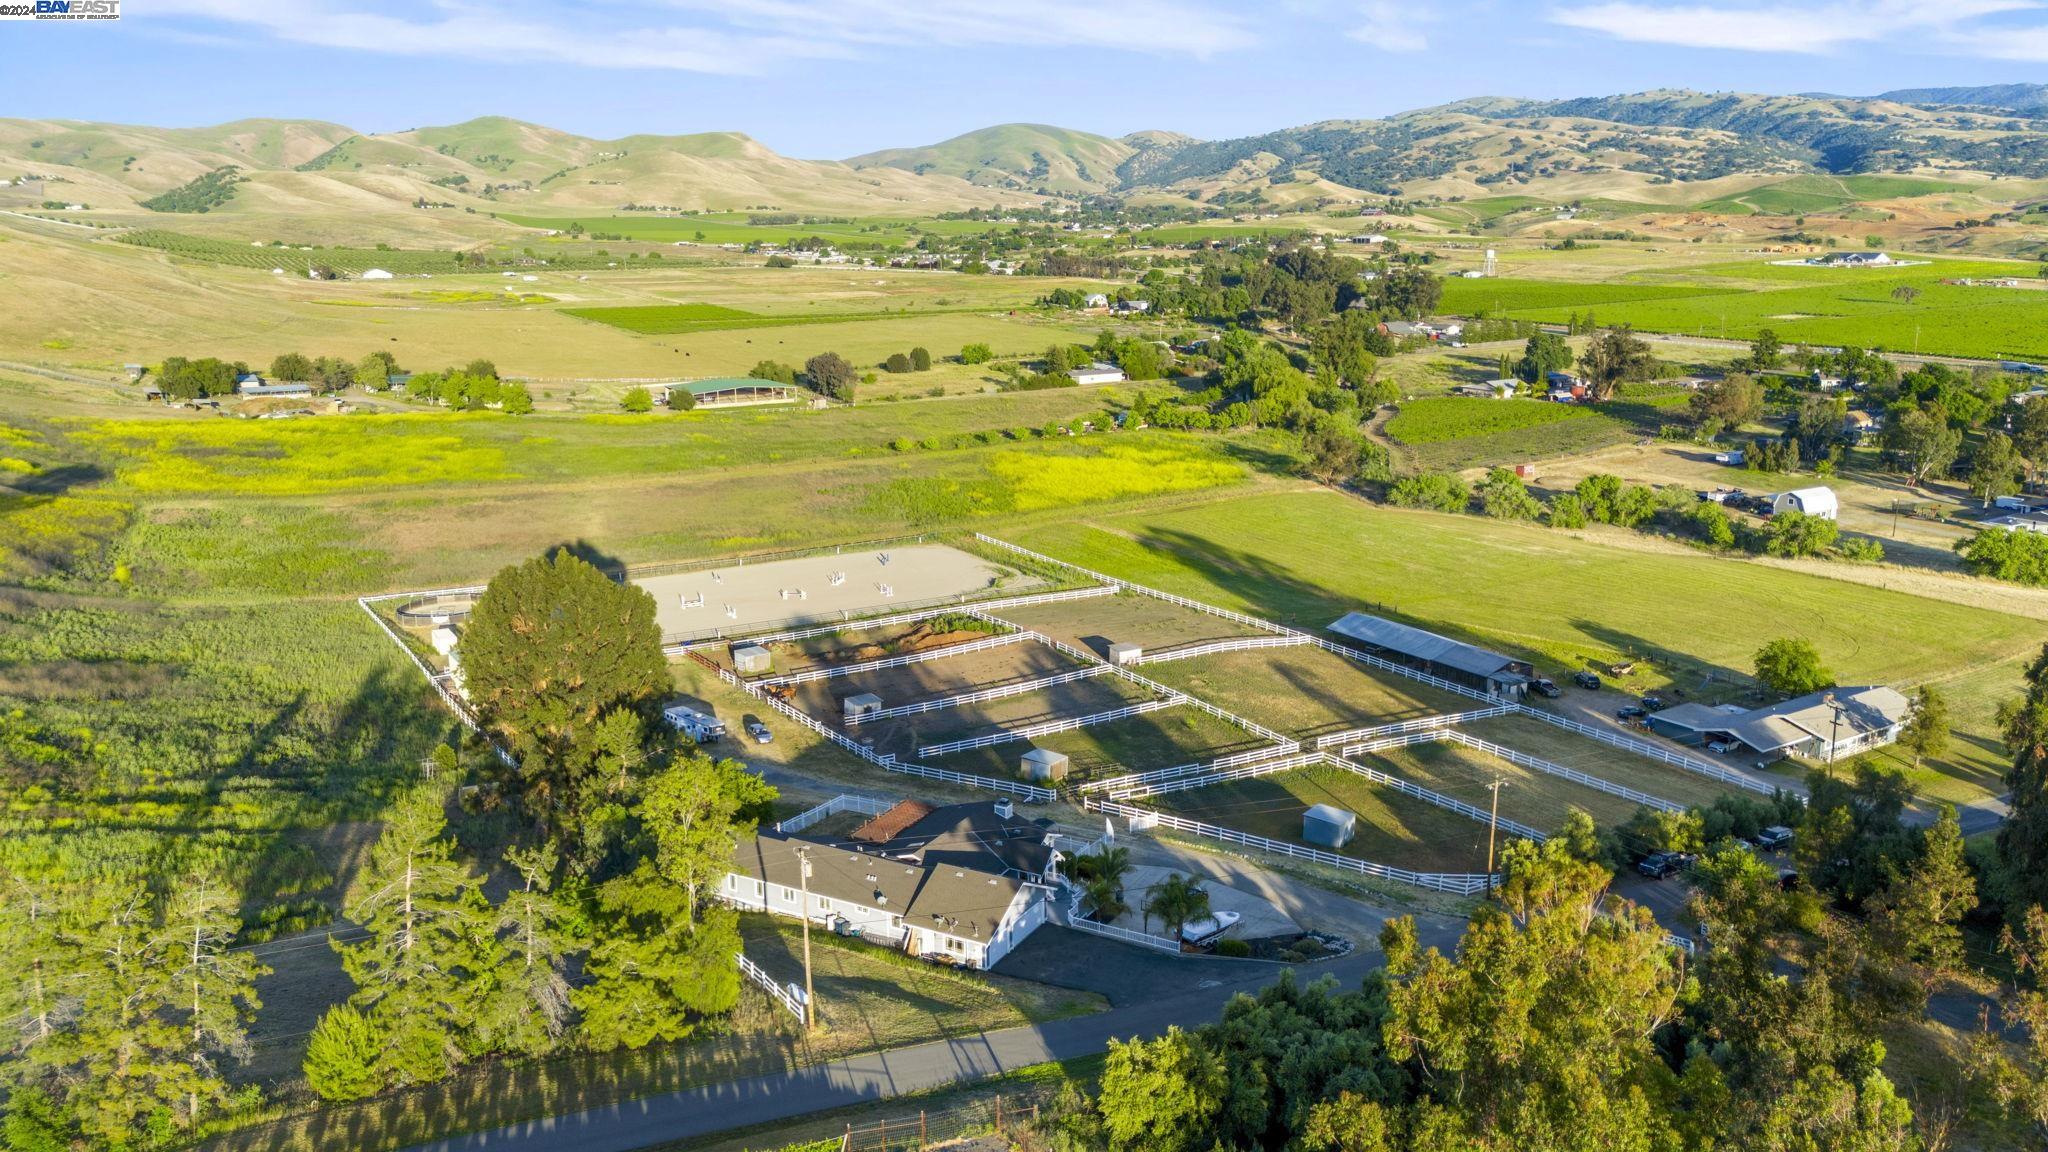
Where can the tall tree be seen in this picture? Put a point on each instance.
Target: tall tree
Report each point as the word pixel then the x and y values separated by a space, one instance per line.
pixel 1546 352
pixel 1922 443
pixel 1995 468
pixel 695 810
pixel 1177 902
pixel 1918 916
pixel 552 647
pixel 527 1007
pixel 1162 1095
pixel 419 973
pixel 655 969
pixel 1790 666
pixel 1927 732
pixel 2023 838
pixel 1614 359
pixel 215 986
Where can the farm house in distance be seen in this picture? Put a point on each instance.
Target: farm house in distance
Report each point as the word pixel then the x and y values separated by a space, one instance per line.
pixel 1502 677
pixel 964 883
pixel 730 392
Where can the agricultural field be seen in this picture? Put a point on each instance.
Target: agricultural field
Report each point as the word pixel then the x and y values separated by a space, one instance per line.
pixel 1566 601
pixel 1304 691
pixel 1393 828
pixel 1434 419
pixel 734 228
pixel 1801 304
pixel 682 319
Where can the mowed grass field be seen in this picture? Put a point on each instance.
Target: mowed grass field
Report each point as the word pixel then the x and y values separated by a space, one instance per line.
pixel 1393 828
pixel 1527 796
pixel 1801 304
pixel 1562 600
pixel 1434 419
pixel 1162 739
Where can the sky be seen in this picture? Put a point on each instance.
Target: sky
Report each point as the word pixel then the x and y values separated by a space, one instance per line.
pixel 827 79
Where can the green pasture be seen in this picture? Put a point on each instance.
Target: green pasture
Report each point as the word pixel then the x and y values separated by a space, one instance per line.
pixel 733 228
pixel 680 319
pixel 1434 419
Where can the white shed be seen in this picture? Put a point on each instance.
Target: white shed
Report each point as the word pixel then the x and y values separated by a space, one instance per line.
pixel 1043 765
pixel 376 274
pixel 1125 654
pixel 443 639
pixel 1328 825
pixel 1812 501
pixel 865 704
pixel 751 659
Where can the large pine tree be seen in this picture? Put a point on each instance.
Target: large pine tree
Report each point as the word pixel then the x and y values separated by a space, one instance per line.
pixel 2023 839
pixel 430 941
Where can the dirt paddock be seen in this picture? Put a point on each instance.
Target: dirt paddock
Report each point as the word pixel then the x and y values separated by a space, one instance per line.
pixel 751 597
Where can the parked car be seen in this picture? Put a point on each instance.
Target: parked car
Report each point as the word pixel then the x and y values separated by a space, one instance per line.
pixel 1586 680
pixel 1652 701
pixel 1209 927
pixel 1658 865
pixel 1545 687
pixel 1775 837
pixel 1722 746
pixel 760 732
pixel 1631 712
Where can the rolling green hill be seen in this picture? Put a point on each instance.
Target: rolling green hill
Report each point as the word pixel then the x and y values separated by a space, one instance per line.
pixel 1023 157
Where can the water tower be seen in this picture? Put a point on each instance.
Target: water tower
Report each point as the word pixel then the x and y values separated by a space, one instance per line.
pixel 1491 266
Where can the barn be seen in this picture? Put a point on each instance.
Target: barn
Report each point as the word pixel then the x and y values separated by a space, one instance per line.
pixel 731 392
pixel 1814 501
pixel 1499 676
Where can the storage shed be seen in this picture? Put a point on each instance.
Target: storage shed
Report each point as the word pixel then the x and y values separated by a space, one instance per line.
pixel 1043 765
pixel 865 704
pixel 443 639
pixel 1328 826
pixel 750 659
pixel 1812 501
pixel 1124 655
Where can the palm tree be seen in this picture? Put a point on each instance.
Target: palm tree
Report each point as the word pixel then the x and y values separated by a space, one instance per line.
pixel 1178 901
pixel 1104 899
pixel 1110 863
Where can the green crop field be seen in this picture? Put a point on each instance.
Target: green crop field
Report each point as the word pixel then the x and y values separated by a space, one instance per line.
pixel 1802 304
pixel 1305 559
pixel 294 260
pixel 1438 418
pixel 1806 194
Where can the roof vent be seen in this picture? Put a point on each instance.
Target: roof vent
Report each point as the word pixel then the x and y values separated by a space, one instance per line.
pixel 871 879
pixel 1004 808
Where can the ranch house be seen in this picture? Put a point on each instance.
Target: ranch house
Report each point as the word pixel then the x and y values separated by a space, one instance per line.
pixel 964 882
pixel 1820 725
pixel 1502 677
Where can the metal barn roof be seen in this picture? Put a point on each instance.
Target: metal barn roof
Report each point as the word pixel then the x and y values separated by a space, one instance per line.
pixel 1419 645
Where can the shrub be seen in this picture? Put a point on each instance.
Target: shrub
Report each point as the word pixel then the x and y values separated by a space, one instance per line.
pixel 637 399
pixel 1567 511
pixel 1505 497
pixel 1238 949
pixel 976 354
pixel 2021 557
pixel 897 362
pixel 920 360
pixel 681 399
pixel 770 370
pixel 829 374
pixel 1862 550
pixel 1432 490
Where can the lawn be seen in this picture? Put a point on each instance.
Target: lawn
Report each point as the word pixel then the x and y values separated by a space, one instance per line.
pixel 868 999
pixel 1393 828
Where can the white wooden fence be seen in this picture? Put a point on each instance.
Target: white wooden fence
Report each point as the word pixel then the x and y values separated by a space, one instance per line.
pixel 1552 768
pixel 752 971
pixel 1029 792
pixel 1075 920
pixel 928 654
pixel 438 681
pixel 1191 776
pixel 1210 648
pixel 1645 748
pixel 1461 883
pixel 982 695
pixel 978 606
pixel 843 802
pixel 1419 724
pixel 1049 727
pixel 1410 788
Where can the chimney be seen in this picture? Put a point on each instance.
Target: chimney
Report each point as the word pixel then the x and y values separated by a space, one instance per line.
pixel 1005 809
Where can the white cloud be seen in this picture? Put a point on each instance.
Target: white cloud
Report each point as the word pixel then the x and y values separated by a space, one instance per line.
pixel 1783 27
pixel 1391 26
pixel 730 37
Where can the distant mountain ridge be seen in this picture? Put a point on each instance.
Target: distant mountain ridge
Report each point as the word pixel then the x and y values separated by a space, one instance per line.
pixel 1626 147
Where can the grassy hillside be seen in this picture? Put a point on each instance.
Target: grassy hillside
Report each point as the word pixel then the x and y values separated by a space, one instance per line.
pixel 1027 157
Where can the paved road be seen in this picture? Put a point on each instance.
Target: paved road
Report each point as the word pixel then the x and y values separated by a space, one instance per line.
pixel 763 1099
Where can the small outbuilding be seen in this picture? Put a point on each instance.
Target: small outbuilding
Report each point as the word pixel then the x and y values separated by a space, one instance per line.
pixel 443 640
pixel 1812 501
pixel 751 659
pixel 1097 373
pixel 863 705
pixel 1126 654
pixel 376 274
pixel 1044 766
pixel 1329 826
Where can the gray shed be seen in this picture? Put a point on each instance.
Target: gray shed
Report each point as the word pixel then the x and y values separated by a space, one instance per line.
pixel 865 704
pixel 1045 765
pixel 750 659
pixel 1328 826
pixel 1124 654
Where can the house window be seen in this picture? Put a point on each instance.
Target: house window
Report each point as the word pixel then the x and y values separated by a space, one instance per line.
pixel 953 944
pixel 758 890
pixel 823 904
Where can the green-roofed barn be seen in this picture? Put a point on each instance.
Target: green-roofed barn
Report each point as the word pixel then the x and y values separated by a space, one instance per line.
pixel 730 392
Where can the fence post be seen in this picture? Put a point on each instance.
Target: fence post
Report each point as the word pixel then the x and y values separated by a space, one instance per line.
pixel 920 1130
pixel 999 1113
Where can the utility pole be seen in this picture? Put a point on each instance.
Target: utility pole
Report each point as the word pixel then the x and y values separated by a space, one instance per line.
pixel 803 871
pixel 1492 826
